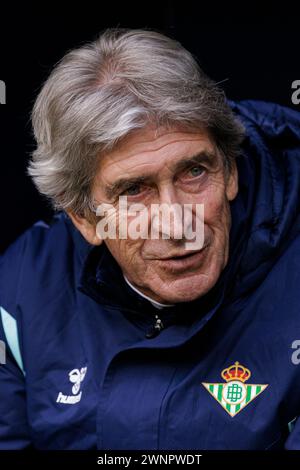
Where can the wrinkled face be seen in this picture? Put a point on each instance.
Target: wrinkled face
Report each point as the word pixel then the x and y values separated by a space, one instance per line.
pixel 170 166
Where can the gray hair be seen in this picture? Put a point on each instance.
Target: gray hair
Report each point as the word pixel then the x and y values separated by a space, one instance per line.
pixel 102 91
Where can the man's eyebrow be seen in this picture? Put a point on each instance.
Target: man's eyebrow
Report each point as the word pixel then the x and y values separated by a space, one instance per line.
pixel 122 184
pixel 204 157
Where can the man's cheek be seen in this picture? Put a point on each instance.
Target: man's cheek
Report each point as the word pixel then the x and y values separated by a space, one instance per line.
pixel 214 207
pixel 130 253
pixel 217 221
pixel 214 192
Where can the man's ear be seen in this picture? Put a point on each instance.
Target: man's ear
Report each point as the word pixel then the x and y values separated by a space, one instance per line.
pixel 86 228
pixel 232 185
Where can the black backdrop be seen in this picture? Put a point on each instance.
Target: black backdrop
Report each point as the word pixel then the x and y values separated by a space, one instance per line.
pixel 254 48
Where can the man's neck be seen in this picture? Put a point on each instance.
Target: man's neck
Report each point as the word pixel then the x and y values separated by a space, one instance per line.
pixel 156 304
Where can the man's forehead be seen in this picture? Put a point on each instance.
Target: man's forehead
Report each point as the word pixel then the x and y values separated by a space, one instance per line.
pixel 151 146
pixel 153 135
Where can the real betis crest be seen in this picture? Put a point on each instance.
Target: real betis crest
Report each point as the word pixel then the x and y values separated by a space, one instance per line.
pixel 234 394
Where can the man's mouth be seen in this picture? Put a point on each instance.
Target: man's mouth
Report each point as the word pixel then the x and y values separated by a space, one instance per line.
pixel 183 255
pixel 184 260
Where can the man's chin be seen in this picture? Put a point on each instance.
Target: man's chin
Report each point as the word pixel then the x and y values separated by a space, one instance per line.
pixel 186 290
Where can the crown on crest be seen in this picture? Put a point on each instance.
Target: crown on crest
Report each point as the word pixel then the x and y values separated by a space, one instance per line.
pixel 236 372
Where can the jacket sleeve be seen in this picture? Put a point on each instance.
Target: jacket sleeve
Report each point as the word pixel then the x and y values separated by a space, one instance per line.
pixel 14 429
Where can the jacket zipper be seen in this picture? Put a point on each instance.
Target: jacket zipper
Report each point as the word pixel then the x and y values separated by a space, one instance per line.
pixel 155 328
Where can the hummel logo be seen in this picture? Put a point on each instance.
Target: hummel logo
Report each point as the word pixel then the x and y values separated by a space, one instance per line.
pixel 76 376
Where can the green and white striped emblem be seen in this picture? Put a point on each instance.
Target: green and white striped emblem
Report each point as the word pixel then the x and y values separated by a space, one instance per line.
pixel 234 395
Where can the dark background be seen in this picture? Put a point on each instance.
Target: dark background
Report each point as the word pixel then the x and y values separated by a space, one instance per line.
pixel 253 47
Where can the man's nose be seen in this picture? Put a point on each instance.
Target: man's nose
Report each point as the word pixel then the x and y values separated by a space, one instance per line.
pixel 168 221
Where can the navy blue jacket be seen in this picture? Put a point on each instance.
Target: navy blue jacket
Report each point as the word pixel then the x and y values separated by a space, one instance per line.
pixel 83 369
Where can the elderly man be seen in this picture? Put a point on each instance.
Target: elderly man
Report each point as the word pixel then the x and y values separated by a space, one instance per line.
pixel 151 342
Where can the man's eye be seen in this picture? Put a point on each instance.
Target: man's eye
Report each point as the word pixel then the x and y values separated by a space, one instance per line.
pixel 196 171
pixel 132 190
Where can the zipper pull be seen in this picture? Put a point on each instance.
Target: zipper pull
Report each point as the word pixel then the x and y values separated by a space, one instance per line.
pixel 155 329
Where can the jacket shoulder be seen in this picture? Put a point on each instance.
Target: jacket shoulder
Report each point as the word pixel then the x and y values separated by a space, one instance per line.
pixel 273 119
pixel 38 263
